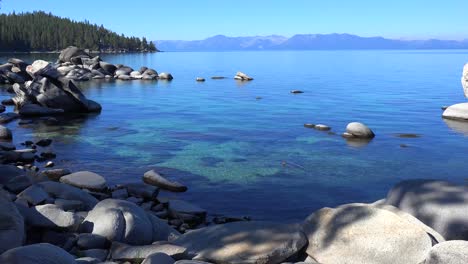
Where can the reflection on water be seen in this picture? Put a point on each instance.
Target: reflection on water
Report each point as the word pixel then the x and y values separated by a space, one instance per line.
pixel 244 156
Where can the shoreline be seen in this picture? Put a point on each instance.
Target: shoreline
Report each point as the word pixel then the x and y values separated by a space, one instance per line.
pixel 76 217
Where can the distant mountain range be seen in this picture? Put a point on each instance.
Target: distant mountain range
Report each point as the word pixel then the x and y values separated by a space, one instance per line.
pixel 305 42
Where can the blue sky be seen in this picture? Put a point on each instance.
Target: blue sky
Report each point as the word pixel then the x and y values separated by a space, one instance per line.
pixel 187 20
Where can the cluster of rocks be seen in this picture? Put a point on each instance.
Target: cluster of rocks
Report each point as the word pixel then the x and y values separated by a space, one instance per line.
pixel 459 111
pixel 56 216
pixel 354 130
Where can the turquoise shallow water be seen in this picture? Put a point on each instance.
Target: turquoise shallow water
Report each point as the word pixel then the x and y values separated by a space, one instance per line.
pixel 243 156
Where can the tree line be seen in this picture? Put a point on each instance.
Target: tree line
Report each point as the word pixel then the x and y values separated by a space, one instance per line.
pixel 40 31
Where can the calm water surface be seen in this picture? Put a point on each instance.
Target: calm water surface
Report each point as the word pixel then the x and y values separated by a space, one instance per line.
pixel 243 156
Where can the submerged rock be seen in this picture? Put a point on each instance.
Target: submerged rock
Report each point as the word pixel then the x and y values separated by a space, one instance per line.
pixel 364 234
pixel 244 242
pixel 153 178
pixel 296 92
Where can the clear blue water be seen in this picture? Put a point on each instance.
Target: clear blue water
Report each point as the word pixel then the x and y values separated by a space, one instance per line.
pixel 230 148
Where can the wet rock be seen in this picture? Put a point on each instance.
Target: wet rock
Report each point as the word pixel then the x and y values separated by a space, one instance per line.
pixel 453 252
pixel 49 164
pixel 5 133
pixel 153 178
pixel 359 130
pixel 186 211
pixel 364 234
pixel 34 195
pixel 44 142
pixel 119 220
pixel 124 252
pixel 441 205
pixel 85 179
pixel 8 117
pixel 309 125
pixel 242 77
pixel 165 76
pixel 142 190
pixel 200 79
pixel 244 242
pixel 322 127
pixel 296 92
pixel 37 254
pixel 68 192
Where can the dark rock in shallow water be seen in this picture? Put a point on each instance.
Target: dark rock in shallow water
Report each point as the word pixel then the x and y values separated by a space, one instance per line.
pixel 142 190
pixel 37 110
pixel 218 77
pixel 44 142
pixel 5 133
pixel 8 117
pixel 408 135
pixel 296 92
pixel 8 101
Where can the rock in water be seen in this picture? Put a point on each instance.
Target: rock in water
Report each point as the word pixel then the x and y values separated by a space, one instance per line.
pixel 359 130
pixel 165 76
pixel 121 221
pixel 153 178
pixel 244 242
pixel 85 179
pixel 457 112
pixel 364 234
pixel 67 54
pixel 12 233
pixel 450 252
pixel 242 77
pixel 440 205
pixel 42 253
pixel 5 133
pixel 464 80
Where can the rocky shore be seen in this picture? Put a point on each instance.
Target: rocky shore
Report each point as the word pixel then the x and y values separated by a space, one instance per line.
pixel 54 215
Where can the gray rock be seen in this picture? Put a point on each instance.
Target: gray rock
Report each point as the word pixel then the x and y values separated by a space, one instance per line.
pixel 34 195
pixel 242 77
pixel 67 54
pixel 124 77
pixel 121 221
pixel 244 242
pixel 440 205
pixel 88 260
pixel 57 218
pixel 18 183
pixel 68 205
pixel 68 192
pixel 322 127
pixel 161 230
pixel 453 252
pixel 37 254
pixel 5 133
pixel 200 79
pixel 12 233
pixel 457 112
pixel 136 75
pixel 158 258
pixel 153 178
pixel 120 194
pixel 90 241
pixel 364 234
pixel 359 130
pixel 55 174
pixel 109 68
pixel 85 179
pixel 124 252
pixel 142 190
pixel 151 72
pixel 165 76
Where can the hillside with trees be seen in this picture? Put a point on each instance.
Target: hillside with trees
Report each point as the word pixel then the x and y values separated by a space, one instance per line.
pixel 39 31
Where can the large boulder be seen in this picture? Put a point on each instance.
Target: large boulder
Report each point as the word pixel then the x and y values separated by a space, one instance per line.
pixel 12 233
pixel 456 112
pixel 464 80
pixel 67 192
pixel 162 231
pixel 359 130
pixel 153 178
pixel 43 253
pixel 109 68
pixel 450 252
pixel 8 172
pixel 364 234
pixel 85 179
pixel 244 242
pixel 67 54
pixel 121 221
pixel 439 204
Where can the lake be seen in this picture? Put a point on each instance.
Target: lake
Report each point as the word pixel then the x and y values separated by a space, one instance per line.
pixel 244 156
